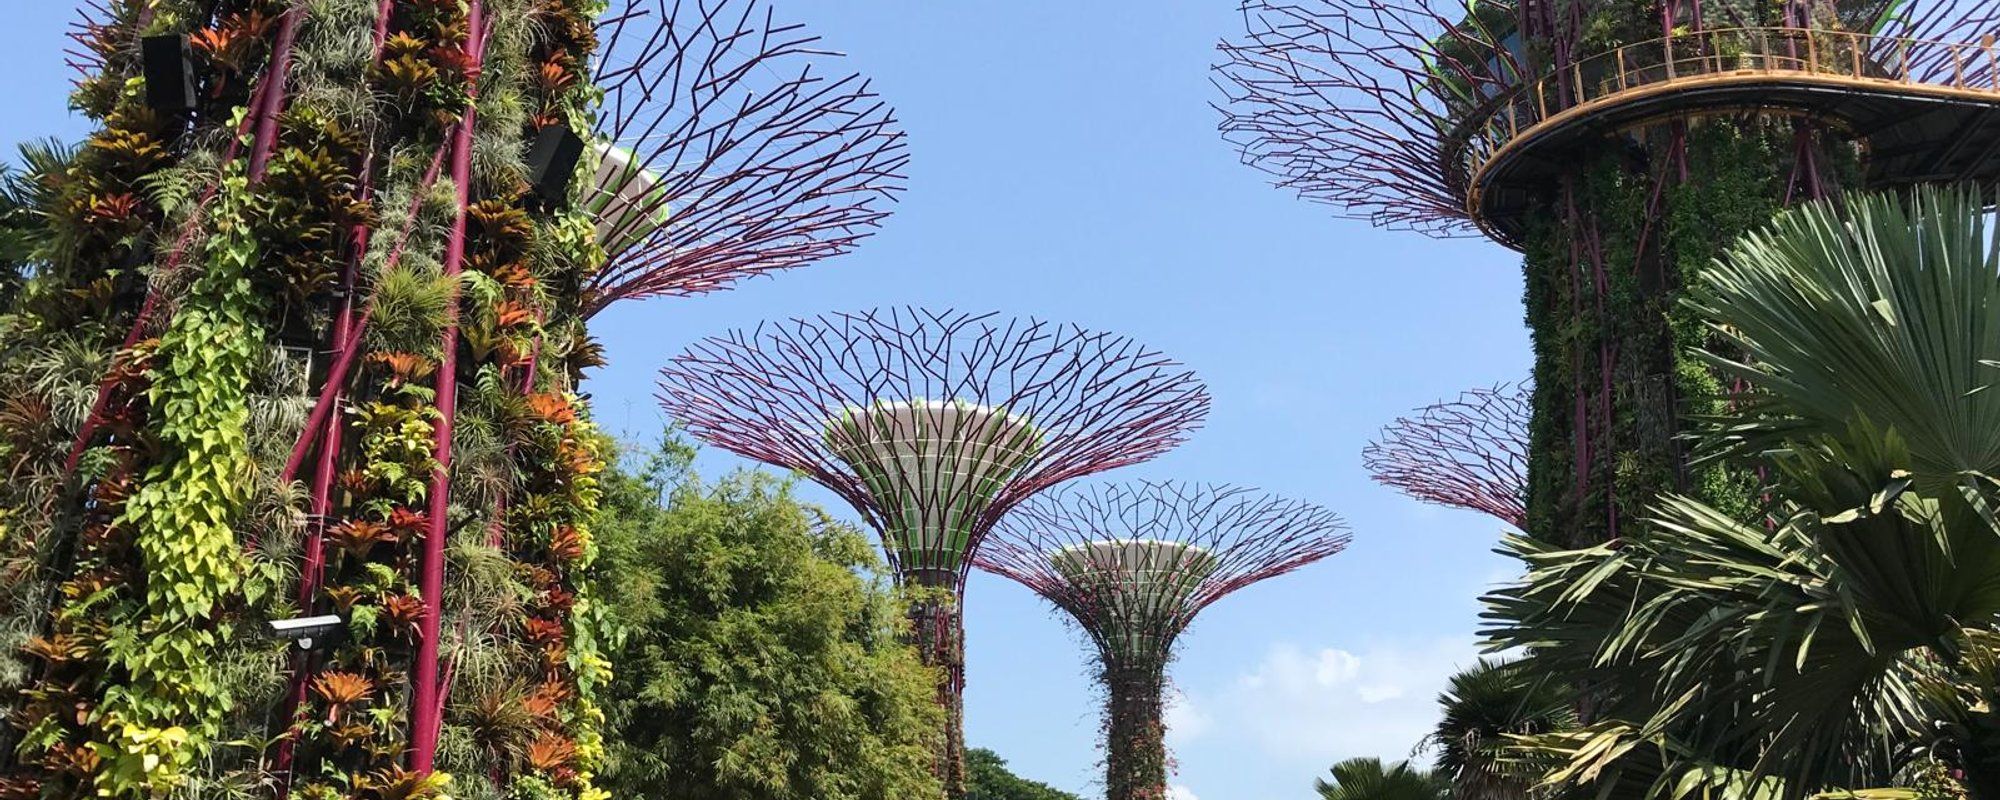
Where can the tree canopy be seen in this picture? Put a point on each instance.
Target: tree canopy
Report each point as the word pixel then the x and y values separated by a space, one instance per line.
pixel 1370 779
pixel 757 647
pixel 987 778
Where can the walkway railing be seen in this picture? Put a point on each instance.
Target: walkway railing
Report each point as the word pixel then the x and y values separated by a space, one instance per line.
pixel 1889 62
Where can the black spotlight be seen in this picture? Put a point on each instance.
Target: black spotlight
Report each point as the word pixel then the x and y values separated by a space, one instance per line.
pixel 169 71
pixel 552 160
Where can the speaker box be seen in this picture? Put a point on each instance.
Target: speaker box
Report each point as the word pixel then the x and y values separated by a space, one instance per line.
pixel 169 72
pixel 552 162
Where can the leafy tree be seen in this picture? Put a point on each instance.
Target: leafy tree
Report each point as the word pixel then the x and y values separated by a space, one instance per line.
pixel 1370 779
pixel 1848 638
pixel 987 778
pixel 758 654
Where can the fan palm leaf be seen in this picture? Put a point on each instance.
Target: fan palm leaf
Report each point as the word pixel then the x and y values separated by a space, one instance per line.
pixel 1370 779
pixel 1482 709
pixel 1807 648
pixel 1878 311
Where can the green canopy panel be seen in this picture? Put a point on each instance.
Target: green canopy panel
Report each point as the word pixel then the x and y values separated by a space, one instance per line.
pixel 1137 588
pixel 626 199
pixel 934 468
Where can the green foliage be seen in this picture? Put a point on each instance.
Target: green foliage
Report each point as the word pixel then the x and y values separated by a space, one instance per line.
pixel 1369 779
pixel 987 778
pixel 758 652
pixel 1483 708
pixel 183 520
pixel 396 443
pixel 1847 640
pixel 410 307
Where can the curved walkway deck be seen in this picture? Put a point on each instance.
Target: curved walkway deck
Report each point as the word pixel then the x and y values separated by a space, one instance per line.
pixel 1923 111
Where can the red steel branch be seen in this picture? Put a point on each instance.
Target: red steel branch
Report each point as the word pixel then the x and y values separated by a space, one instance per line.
pixel 1350 102
pixel 1229 537
pixel 426 697
pixel 1469 453
pixel 747 160
pixel 1097 401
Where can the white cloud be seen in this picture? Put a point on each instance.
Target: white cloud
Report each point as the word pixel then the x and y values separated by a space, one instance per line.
pixel 1185 722
pixel 1319 706
pixel 1178 792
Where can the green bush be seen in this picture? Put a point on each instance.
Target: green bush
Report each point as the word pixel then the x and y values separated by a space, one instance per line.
pixel 758 648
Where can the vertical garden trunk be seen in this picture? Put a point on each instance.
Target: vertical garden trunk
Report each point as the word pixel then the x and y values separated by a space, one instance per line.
pixel 938 632
pixel 427 696
pixel 1135 758
pixel 1607 265
pixel 295 230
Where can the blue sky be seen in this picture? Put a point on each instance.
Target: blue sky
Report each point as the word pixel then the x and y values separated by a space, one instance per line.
pixel 1065 165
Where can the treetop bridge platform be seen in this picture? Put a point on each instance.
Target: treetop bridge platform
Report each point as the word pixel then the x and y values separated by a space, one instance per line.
pixel 1923 111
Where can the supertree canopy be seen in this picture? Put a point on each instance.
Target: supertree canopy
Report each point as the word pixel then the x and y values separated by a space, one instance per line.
pixel 1133 564
pixel 932 425
pixel 299 340
pixel 1470 453
pixel 725 153
pixel 1619 145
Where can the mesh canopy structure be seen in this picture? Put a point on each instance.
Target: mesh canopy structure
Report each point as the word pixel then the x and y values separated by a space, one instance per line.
pixel 724 151
pixel 933 424
pixel 1469 453
pixel 1134 564
pixel 1140 584
pixel 1350 103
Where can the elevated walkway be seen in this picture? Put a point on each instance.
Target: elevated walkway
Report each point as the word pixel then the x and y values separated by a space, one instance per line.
pixel 1923 111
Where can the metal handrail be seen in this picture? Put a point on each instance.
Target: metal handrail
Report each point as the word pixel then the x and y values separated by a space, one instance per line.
pixel 1726 52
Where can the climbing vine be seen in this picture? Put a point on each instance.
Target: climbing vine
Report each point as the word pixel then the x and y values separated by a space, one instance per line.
pixel 183 521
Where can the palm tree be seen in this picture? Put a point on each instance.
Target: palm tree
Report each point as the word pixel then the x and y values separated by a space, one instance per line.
pixel 1849 635
pixel 1369 779
pixel 1482 709
pixel 24 192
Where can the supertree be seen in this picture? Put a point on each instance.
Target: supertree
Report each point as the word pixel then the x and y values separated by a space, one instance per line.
pixel 1619 145
pixel 1133 564
pixel 1470 453
pixel 302 337
pixel 933 424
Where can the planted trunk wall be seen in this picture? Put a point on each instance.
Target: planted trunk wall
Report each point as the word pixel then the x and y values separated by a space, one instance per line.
pixel 237 323
pixel 1135 732
pixel 938 630
pixel 1606 267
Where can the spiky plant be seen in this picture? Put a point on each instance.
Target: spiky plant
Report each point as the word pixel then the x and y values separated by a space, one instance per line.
pixel 1370 779
pixel 1811 647
pixel 1482 709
